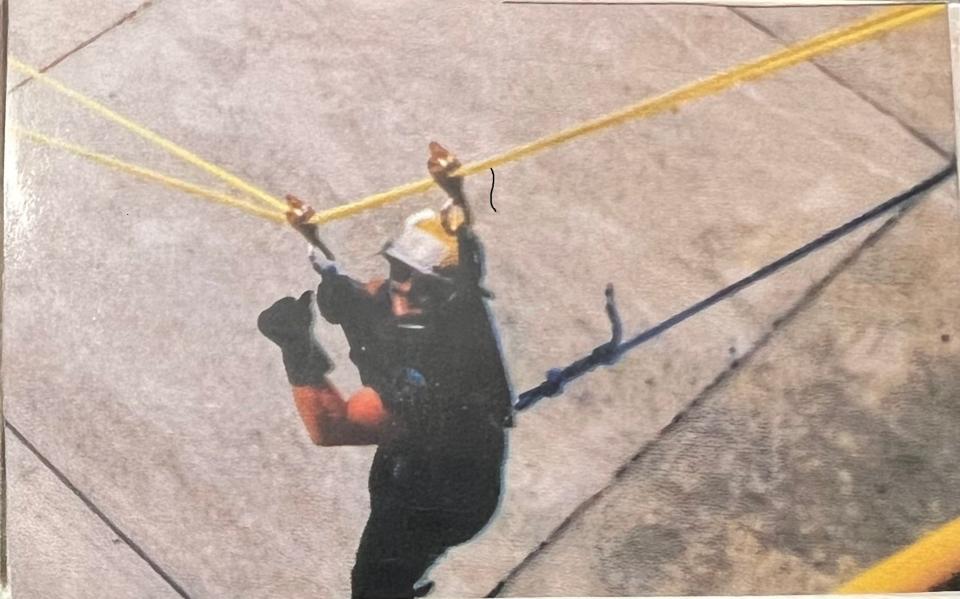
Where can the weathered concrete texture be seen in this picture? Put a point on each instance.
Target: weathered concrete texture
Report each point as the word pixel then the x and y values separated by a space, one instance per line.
pixel 60 549
pixel 44 32
pixel 904 71
pixel 830 448
pixel 135 306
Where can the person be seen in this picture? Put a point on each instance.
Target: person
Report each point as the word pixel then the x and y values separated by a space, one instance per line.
pixel 435 398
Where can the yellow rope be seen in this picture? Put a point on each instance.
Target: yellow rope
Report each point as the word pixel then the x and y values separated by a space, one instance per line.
pixel 883 21
pixel 149 135
pixel 876 24
pixel 151 175
pixel 930 561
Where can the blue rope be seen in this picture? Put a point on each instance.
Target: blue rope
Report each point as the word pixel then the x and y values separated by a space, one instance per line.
pixel 610 352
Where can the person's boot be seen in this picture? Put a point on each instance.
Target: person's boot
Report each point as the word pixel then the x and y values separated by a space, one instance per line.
pixel 422 590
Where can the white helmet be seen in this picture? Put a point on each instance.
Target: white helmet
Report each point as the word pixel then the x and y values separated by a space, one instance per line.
pixel 425 245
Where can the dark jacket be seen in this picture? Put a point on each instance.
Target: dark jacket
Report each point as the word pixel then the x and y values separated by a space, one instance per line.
pixel 447 434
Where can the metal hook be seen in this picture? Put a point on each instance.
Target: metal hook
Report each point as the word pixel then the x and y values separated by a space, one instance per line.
pixel 609 352
pixel 615 323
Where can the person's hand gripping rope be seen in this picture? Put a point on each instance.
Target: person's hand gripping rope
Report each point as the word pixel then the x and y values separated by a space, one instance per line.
pixel 442 166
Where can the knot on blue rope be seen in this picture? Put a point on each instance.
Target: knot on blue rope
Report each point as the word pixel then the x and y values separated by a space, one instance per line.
pixel 554 383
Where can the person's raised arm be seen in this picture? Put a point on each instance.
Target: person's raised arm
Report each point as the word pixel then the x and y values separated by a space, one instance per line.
pixel 329 418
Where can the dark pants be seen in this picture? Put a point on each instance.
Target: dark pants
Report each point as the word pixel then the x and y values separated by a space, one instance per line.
pixel 420 507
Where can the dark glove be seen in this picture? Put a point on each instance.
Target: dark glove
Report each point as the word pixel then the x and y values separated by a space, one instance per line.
pixel 289 323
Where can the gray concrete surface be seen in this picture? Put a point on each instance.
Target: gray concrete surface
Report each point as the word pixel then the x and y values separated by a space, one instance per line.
pixel 830 448
pixel 44 33
pixel 905 78
pixel 68 547
pixel 131 355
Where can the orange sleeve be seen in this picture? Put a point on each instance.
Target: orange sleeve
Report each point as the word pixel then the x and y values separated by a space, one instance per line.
pixel 331 421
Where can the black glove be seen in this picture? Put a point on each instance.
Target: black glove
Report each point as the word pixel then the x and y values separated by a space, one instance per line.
pixel 289 323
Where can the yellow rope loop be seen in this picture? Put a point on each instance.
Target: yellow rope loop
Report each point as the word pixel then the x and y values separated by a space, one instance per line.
pixel 149 135
pixel 874 25
pixel 151 175
pixel 373 201
pixel 881 22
